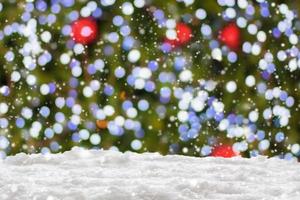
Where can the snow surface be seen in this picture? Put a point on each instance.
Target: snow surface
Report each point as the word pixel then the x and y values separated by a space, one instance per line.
pixel 92 174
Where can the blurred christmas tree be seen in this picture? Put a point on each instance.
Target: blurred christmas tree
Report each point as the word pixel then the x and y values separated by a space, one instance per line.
pixel 191 77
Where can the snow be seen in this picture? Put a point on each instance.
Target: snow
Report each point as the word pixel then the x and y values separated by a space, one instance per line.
pixel 95 174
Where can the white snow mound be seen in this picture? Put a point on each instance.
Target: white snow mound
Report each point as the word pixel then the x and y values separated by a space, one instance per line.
pixel 91 174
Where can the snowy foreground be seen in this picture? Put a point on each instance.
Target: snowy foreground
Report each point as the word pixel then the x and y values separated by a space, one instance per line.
pixel 83 174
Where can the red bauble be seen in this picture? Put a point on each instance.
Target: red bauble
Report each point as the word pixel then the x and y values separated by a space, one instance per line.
pixel 184 35
pixel 224 151
pixel 230 35
pixel 84 30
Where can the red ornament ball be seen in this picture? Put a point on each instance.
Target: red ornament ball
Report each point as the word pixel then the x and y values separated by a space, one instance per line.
pixel 184 35
pixel 84 30
pixel 225 151
pixel 230 35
